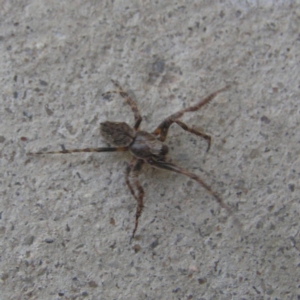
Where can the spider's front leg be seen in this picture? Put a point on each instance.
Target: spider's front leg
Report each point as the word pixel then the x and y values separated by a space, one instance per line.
pixel 196 132
pixel 66 151
pixel 129 101
pixel 163 128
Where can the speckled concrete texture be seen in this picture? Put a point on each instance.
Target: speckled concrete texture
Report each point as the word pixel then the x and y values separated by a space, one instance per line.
pixel 66 220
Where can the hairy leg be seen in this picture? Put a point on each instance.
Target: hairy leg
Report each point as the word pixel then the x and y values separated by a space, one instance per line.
pixel 129 101
pixel 127 175
pixel 174 168
pixel 140 205
pixel 196 132
pixel 66 151
pixel 162 129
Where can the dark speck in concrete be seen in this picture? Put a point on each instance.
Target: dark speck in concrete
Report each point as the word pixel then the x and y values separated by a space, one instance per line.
pixel 48 110
pixel 28 240
pixel 43 83
pixel 49 240
pixel 291 187
pixel 154 244
pixel 265 120
pixel 202 280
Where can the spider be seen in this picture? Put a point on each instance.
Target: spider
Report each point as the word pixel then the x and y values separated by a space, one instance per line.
pixel 145 147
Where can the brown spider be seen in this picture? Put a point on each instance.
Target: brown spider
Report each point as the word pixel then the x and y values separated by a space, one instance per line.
pixel 146 147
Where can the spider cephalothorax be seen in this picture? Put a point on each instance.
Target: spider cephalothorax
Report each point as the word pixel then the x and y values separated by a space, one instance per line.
pixel 146 147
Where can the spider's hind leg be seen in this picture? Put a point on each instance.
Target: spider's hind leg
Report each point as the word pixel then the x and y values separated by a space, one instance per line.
pixel 127 175
pixel 174 168
pixel 129 101
pixel 140 204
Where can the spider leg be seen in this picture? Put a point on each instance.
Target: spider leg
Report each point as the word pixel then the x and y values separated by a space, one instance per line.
pixel 196 132
pixel 140 205
pixel 65 151
pixel 129 101
pixel 162 129
pixel 174 168
pixel 127 174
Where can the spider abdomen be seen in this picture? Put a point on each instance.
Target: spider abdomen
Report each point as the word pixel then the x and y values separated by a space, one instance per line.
pixel 146 145
pixel 119 134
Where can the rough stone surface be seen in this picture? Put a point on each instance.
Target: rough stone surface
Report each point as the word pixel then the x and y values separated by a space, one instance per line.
pixel 66 220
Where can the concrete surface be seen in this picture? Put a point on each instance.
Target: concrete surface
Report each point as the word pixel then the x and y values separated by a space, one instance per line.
pixel 66 220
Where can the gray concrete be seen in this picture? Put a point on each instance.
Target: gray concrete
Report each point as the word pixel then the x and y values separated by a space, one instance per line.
pixel 66 220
